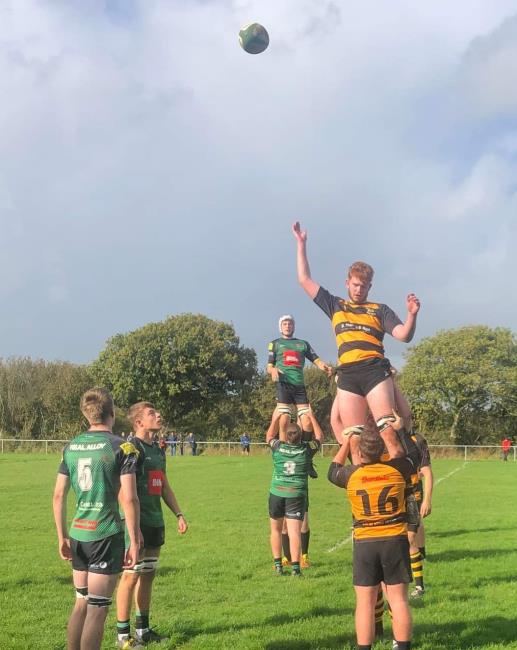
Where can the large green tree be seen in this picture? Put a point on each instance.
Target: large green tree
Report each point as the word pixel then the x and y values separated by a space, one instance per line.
pixel 462 384
pixel 185 365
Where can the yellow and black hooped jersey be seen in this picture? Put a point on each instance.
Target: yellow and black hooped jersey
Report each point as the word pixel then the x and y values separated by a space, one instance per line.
pixel 377 495
pixel 359 328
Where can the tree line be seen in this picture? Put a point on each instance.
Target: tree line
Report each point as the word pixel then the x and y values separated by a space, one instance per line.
pixel 461 384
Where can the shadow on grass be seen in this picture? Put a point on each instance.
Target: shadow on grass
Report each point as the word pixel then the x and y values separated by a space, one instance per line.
pixel 455 555
pixel 321 644
pixel 467 531
pixel 485 631
pixel 189 632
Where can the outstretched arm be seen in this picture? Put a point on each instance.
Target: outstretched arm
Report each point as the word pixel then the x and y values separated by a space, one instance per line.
pixel 406 331
pixel 310 287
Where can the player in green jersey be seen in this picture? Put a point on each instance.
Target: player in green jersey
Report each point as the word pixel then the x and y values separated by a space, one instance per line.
pixel 152 487
pixel 288 490
pixel 286 359
pixel 100 467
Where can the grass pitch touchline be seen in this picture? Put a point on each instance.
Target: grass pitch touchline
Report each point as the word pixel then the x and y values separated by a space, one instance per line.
pixel 343 542
pixel 450 473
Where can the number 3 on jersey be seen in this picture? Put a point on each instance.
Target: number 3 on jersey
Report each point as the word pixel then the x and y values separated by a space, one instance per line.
pixel 289 468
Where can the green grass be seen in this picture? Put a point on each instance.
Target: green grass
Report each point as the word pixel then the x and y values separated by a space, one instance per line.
pixel 215 587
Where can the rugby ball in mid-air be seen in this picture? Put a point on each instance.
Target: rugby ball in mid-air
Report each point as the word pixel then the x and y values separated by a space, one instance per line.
pixel 253 38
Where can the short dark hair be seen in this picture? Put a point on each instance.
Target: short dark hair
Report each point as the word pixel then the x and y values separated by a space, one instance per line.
pixel 371 445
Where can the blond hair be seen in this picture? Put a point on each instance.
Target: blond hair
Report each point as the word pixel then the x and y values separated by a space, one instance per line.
pixel 361 270
pixel 136 411
pixel 97 405
pixel 293 433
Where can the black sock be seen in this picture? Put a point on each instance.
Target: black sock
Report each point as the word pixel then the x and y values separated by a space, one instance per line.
pixel 305 542
pixel 142 621
pixel 422 551
pixel 296 567
pixel 285 546
pixel 404 645
pixel 364 647
pixel 278 562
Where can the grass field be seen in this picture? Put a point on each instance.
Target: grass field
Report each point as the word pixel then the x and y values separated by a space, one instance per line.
pixel 215 587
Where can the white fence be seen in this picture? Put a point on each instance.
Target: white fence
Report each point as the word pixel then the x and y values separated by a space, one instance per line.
pixel 467 452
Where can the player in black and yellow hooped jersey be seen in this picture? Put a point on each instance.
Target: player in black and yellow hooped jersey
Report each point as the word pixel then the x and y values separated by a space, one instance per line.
pixel 286 360
pixel 152 487
pixel 364 378
pixel 377 492
pixel 289 488
pixel 423 491
pixel 100 467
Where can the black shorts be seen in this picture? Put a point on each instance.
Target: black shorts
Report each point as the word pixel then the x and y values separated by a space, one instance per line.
pixel 360 378
pixel 105 556
pixel 382 560
pixel 154 536
pixel 291 393
pixel 288 507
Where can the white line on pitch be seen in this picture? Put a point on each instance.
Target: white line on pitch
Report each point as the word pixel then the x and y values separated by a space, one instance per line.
pixel 450 473
pixel 341 543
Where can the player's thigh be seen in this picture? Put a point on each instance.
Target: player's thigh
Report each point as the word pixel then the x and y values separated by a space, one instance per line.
pixel 402 405
pixel 80 579
pixel 381 399
pixel 102 585
pixel 366 597
pixel 335 421
pixel 352 408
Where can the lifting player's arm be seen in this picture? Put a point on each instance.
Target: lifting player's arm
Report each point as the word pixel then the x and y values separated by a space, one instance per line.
pixel 59 507
pixel 274 427
pixel 317 430
pixel 406 331
pixel 427 473
pixel 338 473
pixel 172 503
pixel 310 287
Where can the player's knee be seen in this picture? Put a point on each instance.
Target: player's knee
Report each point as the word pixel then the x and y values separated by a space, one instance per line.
pixel 146 565
pixel 101 602
pixel 303 411
pixel 81 593
pixel 284 409
pixel 355 430
pixel 385 422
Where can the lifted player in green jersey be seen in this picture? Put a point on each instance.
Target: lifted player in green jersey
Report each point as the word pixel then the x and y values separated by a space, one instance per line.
pixel 152 487
pixel 286 359
pixel 101 468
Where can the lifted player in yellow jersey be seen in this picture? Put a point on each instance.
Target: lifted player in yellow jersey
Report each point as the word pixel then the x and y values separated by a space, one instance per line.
pixel 364 378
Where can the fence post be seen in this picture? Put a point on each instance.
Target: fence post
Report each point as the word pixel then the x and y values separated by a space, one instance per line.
pixel 46 446
pixel 229 451
pixel 3 449
pixel 465 453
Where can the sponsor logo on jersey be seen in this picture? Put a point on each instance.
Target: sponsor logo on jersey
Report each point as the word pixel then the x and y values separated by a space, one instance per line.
pixel 85 524
pixel 155 482
pixel 292 358
pixel 368 479
pixel 90 446
pixel 129 448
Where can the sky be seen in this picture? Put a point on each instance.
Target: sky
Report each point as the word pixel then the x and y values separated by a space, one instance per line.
pixel 150 167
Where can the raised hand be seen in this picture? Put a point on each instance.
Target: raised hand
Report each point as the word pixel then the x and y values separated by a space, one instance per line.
pixel 412 304
pixel 300 235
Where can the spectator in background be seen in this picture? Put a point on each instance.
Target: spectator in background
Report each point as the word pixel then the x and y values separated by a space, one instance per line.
pixel 181 443
pixel 245 444
pixel 173 441
pixel 506 445
pixel 191 439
